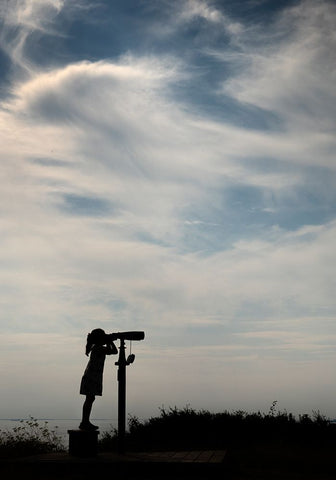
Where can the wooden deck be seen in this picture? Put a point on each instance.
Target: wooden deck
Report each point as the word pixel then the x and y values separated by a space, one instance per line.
pixel 197 456
pixel 173 464
pixel 181 457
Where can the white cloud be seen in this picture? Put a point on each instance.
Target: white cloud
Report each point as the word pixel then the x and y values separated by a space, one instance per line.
pixel 184 13
pixel 29 16
pixel 292 74
pixel 123 141
pixel 20 19
pixel 201 9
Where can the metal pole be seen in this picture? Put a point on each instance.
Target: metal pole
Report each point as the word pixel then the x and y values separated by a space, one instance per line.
pixel 121 396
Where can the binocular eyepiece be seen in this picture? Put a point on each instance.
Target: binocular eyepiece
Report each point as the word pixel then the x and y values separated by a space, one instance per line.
pixel 133 335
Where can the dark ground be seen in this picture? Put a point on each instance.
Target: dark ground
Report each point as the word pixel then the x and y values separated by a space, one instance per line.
pixel 259 462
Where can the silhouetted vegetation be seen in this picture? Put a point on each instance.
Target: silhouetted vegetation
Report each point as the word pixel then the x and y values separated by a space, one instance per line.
pixel 186 428
pixel 29 438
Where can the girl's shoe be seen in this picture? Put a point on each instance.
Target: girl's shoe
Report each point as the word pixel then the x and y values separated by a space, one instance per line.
pixel 87 426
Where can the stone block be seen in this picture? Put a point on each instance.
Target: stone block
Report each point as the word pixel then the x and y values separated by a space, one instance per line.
pixel 83 443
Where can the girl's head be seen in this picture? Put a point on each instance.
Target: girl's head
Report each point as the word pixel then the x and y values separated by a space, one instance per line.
pixel 96 337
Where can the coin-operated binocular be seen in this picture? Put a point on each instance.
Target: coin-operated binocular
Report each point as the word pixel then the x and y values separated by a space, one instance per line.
pixel 122 336
pixel 133 335
pixel 122 364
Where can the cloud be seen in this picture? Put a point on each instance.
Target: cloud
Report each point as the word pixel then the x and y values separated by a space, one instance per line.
pixel 194 21
pixel 290 71
pixel 20 20
pixel 193 9
pixel 127 144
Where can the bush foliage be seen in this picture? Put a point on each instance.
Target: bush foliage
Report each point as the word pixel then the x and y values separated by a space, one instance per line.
pixel 187 428
pixel 29 438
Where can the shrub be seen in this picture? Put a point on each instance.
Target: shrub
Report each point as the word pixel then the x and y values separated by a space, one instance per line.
pixel 29 438
pixel 109 440
pixel 189 429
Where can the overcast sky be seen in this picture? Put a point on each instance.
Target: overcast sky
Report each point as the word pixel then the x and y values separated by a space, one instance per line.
pixel 168 166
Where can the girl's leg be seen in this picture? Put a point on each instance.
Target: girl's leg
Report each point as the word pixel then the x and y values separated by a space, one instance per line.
pixel 87 407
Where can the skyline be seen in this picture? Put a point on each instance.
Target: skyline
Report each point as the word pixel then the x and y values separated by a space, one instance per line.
pixel 168 166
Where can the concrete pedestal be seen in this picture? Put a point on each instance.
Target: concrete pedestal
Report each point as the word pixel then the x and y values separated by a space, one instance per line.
pixel 83 443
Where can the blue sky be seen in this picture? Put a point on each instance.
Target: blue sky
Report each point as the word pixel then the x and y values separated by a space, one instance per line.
pixel 168 166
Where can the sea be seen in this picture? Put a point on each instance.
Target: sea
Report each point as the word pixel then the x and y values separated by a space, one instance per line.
pixel 61 426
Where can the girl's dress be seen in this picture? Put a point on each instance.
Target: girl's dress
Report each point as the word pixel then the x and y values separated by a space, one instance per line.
pixel 92 380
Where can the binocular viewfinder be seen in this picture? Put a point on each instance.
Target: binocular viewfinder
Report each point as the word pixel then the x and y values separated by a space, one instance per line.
pixel 133 335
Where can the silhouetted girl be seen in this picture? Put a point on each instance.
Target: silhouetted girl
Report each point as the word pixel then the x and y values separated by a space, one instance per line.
pixel 98 345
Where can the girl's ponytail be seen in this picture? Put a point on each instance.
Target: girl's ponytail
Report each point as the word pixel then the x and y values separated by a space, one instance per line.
pixel 89 344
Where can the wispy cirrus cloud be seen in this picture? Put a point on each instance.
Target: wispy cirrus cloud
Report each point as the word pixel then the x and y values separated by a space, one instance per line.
pixel 20 20
pixel 292 74
pixel 200 9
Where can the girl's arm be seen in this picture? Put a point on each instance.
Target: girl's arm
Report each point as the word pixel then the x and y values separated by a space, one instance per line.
pixel 111 349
